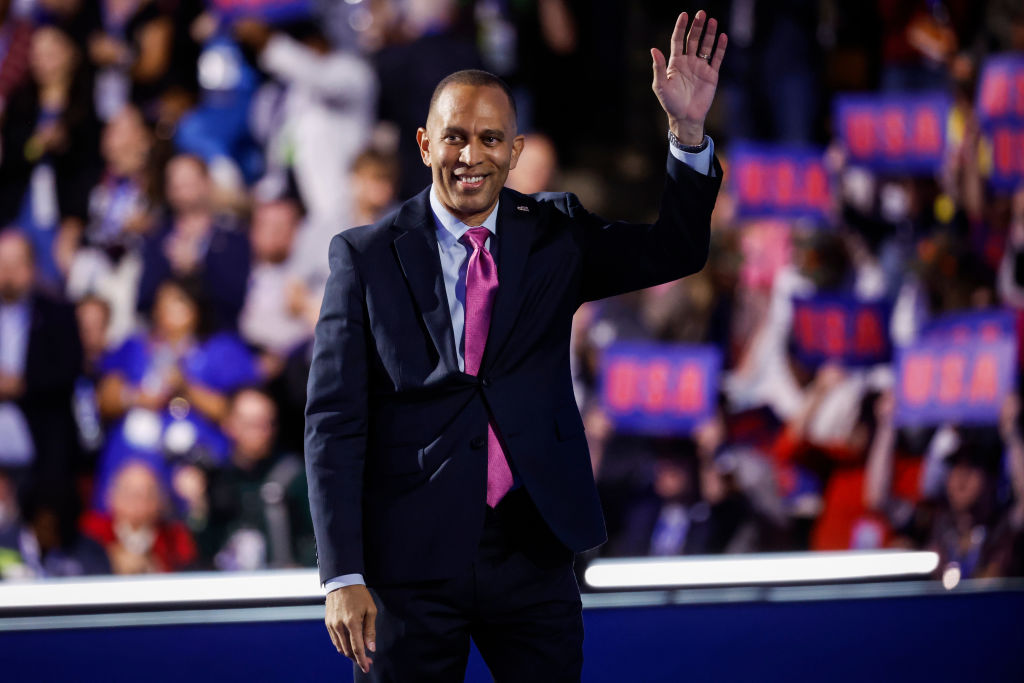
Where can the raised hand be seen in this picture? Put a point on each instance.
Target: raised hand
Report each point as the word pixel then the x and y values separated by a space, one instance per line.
pixel 686 85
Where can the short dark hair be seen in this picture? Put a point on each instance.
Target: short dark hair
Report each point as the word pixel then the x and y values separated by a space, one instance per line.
pixel 475 77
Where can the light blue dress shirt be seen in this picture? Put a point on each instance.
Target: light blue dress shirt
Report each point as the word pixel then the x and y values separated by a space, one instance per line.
pixel 454 259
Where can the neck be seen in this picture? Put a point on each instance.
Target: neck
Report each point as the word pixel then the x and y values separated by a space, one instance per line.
pixel 53 95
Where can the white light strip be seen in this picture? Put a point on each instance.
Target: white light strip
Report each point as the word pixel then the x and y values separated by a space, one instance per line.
pixel 304 584
pixel 771 568
pixel 163 589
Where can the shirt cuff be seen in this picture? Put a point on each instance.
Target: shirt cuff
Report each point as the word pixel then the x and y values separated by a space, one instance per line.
pixel 698 161
pixel 344 580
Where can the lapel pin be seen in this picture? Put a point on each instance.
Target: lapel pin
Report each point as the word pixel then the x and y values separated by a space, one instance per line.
pixel 523 207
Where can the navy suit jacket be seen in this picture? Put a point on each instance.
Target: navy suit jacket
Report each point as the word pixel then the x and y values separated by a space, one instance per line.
pixel 396 434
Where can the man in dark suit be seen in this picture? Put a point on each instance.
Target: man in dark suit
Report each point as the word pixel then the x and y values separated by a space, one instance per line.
pixel 449 480
pixel 40 359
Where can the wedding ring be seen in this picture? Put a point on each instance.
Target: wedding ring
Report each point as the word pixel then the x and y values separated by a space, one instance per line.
pixel 705 57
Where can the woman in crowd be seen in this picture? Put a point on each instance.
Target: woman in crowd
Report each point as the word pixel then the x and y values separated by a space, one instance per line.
pixel 166 389
pixel 49 139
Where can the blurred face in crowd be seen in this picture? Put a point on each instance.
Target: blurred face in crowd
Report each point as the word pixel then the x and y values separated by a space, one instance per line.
pixel 274 225
pixel 175 314
pixel 470 143
pixel 93 318
pixel 16 267
pixel 52 57
pixel 964 485
pixel 251 424
pixel 136 497
pixel 187 184
pixel 126 143
pixel 536 166
pixel 671 479
pixel 373 184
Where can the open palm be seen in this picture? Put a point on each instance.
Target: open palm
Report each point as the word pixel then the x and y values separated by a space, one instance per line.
pixel 686 85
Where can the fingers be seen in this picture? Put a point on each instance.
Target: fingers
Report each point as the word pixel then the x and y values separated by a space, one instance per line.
pixel 716 60
pixel 708 42
pixel 370 630
pixel 693 37
pixel 678 43
pixel 355 637
pixel 338 638
pixel 658 64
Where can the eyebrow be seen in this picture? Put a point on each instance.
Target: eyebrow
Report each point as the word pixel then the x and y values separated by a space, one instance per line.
pixel 454 130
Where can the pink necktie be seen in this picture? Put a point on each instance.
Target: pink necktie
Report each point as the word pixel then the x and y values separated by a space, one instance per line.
pixel 481 286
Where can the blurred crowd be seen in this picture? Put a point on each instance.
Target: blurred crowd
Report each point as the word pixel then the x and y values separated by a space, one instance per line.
pixel 171 172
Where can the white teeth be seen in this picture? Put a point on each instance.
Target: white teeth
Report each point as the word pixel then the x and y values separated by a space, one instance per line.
pixel 471 179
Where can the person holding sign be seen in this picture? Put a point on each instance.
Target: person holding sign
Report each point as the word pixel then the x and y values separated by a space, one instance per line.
pixel 449 479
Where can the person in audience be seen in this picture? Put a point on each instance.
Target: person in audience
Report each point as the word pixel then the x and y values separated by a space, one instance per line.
pixel 281 306
pixel 50 160
pixel 374 185
pixel 313 117
pixel 39 538
pixel 166 390
pixel 690 508
pixel 193 241
pixel 138 532
pixel 537 166
pixel 252 513
pixel 106 250
pixel 93 314
pixel 976 531
pixel 40 358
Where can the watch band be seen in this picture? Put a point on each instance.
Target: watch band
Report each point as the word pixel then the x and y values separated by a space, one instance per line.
pixel 692 149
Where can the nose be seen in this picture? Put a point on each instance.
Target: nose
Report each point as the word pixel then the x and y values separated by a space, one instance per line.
pixel 471 153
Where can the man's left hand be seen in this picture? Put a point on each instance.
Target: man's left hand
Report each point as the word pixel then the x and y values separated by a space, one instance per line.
pixel 686 85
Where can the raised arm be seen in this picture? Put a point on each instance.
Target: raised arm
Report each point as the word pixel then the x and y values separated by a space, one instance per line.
pixel 686 85
pixel 620 257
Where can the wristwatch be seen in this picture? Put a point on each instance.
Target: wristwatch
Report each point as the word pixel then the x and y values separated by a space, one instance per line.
pixel 692 149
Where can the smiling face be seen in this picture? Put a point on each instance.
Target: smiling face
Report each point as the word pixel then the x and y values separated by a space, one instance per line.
pixel 470 144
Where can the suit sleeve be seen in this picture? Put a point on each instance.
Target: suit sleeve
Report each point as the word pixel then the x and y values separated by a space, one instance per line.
pixel 336 418
pixel 621 257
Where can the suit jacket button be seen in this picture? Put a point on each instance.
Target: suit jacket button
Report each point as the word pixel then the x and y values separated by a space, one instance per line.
pixel 485 382
pixel 477 442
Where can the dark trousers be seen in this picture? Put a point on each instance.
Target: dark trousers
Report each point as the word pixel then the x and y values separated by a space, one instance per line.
pixel 518 601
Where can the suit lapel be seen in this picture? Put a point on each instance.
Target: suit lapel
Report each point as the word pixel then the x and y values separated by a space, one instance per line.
pixel 416 248
pixel 516 226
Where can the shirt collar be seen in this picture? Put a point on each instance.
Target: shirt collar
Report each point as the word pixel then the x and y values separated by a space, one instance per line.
pixel 450 227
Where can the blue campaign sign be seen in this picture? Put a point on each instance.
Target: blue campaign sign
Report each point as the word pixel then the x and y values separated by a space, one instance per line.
pixel 270 10
pixel 973 326
pixel 780 181
pixel 1001 89
pixel 841 329
pixel 941 380
pixel 894 133
pixel 659 389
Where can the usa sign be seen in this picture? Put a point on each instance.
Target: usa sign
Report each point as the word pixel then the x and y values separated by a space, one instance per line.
pixel 939 380
pixel 780 182
pixel 659 389
pixel 894 133
pixel 840 329
pixel 1001 89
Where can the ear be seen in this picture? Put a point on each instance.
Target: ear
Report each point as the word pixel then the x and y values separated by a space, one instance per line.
pixel 423 140
pixel 517 149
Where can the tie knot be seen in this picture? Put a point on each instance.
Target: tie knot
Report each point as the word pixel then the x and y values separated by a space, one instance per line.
pixel 476 237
